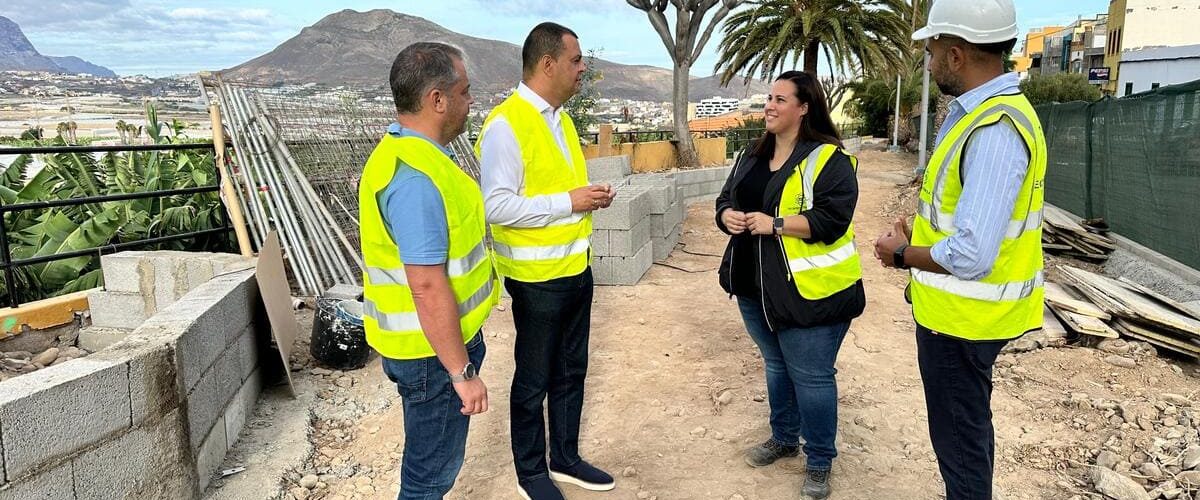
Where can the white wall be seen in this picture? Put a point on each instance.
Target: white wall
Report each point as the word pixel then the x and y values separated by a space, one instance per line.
pixel 1160 23
pixel 1145 73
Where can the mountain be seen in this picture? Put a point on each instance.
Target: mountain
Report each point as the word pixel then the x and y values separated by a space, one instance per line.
pixel 17 54
pixel 72 64
pixel 357 48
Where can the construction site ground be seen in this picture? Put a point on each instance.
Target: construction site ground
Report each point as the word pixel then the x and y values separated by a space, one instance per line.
pixel 675 393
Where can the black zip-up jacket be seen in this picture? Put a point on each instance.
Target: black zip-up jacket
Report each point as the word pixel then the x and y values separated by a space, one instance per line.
pixel 835 194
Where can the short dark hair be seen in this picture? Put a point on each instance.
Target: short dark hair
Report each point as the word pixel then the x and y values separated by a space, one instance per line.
pixel 419 68
pixel 546 39
pixel 980 49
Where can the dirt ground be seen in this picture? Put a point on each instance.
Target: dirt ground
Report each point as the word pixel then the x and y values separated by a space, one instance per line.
pixel 675 394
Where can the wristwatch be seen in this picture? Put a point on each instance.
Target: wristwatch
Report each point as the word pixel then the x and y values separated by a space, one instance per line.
pixel 898 257
pixel 778 225
pixel 469 372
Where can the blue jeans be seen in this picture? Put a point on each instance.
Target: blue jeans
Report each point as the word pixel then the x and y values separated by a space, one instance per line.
pixel 435 430
pixel 801 383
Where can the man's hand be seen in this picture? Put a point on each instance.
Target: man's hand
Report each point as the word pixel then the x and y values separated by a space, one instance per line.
pixel 473 395
pixel 734 220
pixel 760 224
pixel 886 245
pixel 589 198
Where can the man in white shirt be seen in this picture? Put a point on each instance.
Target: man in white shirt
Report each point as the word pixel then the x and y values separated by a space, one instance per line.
pixel 538 199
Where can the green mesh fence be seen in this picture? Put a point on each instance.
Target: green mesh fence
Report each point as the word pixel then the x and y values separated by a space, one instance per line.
pixel 1134 161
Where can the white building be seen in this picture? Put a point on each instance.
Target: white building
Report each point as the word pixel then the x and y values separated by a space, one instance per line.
pixel 716 106
pixel 1148 69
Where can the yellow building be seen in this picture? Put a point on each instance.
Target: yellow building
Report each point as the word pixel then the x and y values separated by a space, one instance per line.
pixel 1112 49
pixel 1035 43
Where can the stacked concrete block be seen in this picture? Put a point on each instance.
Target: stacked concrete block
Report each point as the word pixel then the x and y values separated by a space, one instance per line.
pixel 115 424
pixel 666 211
pixel 139 284
pixel 608 169
pixel 621 238
pixel 701 184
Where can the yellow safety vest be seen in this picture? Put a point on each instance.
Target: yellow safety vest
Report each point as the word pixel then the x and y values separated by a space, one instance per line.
pixel 818 270
pixel 389 313
pixel 539 254
pixel 1007 302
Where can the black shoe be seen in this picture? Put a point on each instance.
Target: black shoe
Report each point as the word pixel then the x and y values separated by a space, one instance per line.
pixel 540 488
pixel 768 452
pixel 584 476
pixel 816 485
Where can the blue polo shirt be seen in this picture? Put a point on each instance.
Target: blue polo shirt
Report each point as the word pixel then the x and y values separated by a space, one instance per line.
pixel 413 210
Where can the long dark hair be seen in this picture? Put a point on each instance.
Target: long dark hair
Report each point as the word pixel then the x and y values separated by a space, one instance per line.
pixel 816 126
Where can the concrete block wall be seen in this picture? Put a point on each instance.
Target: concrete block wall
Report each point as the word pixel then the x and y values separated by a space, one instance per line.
pixel 150 416
pixel 645 221
pixel 139 284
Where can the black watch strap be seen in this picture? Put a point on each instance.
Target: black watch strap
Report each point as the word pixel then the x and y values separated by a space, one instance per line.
pixel 898 257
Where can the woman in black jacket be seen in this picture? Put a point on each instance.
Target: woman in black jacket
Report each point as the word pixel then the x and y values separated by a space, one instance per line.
pixel 792 264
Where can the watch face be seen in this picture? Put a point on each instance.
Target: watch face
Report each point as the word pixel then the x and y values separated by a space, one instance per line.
pixel 778 223
pixel 469 371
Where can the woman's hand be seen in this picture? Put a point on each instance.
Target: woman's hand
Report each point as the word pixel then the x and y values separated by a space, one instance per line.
pixel 760 224
pixel 734 220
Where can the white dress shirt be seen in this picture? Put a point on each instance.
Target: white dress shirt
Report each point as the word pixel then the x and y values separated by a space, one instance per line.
pixel 502 172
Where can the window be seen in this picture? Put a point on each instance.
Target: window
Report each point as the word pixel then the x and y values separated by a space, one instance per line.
pixel 1154 86
pixel 1128 88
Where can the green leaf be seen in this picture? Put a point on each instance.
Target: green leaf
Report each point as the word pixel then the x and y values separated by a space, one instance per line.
pixel 96 232
pixel 91 279
pixel 14 173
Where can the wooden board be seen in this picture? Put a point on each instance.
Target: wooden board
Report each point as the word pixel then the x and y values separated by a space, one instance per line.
pixel 1085 325
pixel 1136 331
pixel 1059 300
pixel 1183 308
pixel 1137 306
pixel 277 297
pixel 1051 325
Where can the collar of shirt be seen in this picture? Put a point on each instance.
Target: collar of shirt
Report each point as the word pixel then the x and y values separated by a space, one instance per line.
pixel 397 130
pixel 1002 84
pixel 544 107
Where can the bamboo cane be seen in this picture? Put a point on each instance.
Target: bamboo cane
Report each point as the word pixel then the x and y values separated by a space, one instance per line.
pixel 233 206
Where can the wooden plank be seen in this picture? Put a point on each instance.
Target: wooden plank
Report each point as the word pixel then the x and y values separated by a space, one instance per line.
pixel 277 298
pixel 1051 324
pixel 1183 308
pixel 1136 305
pixel 1055 247
pixel 1130 329
pixel 1085 325
pixel 1076 306
pixel 1095 296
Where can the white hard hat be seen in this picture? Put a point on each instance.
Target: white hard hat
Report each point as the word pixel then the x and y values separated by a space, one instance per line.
pixel 976 21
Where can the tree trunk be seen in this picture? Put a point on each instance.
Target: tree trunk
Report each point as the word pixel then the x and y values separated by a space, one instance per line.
pixel 810 57
pixel 683 137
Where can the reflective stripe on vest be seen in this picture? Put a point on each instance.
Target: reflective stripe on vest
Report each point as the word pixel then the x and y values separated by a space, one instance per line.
pixel 945 222
pixel 454 268
pixel 833 258
pixel 408 321
pixel 977 290
pixel 550 252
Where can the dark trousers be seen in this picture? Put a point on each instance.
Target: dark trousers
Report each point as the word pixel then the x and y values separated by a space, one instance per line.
pixel 957 375
pixel 434 427
pixel 552 320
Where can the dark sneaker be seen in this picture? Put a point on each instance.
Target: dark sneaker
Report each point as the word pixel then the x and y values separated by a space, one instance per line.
pixel 816 485
pixel 768 452
pixel 584 476
pixel 540 488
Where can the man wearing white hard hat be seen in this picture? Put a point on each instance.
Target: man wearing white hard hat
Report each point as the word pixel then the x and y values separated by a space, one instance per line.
pixel 974 251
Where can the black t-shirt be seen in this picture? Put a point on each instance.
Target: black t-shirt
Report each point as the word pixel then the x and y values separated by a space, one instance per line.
pixel 745 252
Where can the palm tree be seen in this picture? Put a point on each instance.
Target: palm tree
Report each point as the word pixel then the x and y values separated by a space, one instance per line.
pixel 857 37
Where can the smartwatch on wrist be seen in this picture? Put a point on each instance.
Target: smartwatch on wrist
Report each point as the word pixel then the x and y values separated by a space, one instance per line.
pixel 898 257
pixel 778 226
pixel 469 372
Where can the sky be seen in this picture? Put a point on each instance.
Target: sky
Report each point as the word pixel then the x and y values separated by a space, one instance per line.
pixel 165 37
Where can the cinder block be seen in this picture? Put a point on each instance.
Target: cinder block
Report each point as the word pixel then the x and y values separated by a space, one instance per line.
pixel 662 224
pixel 628 208
pixel 653 178
pixel 344 291
pixel 627 243
pixel 600 241
pixel 627 270
pixel 210 454
pixel 60 410
pixel 241 406
pixel 246 348
pixel 123 271
pixel 153 387
pixel 53 484
pixel 662 196
pixel 222 309
pixel 204 407
pixel 119 309
pixel 94 338
pixel 608 168
pixel 147 462
pixel 198 272
pixel 664 246
pixel 602 270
